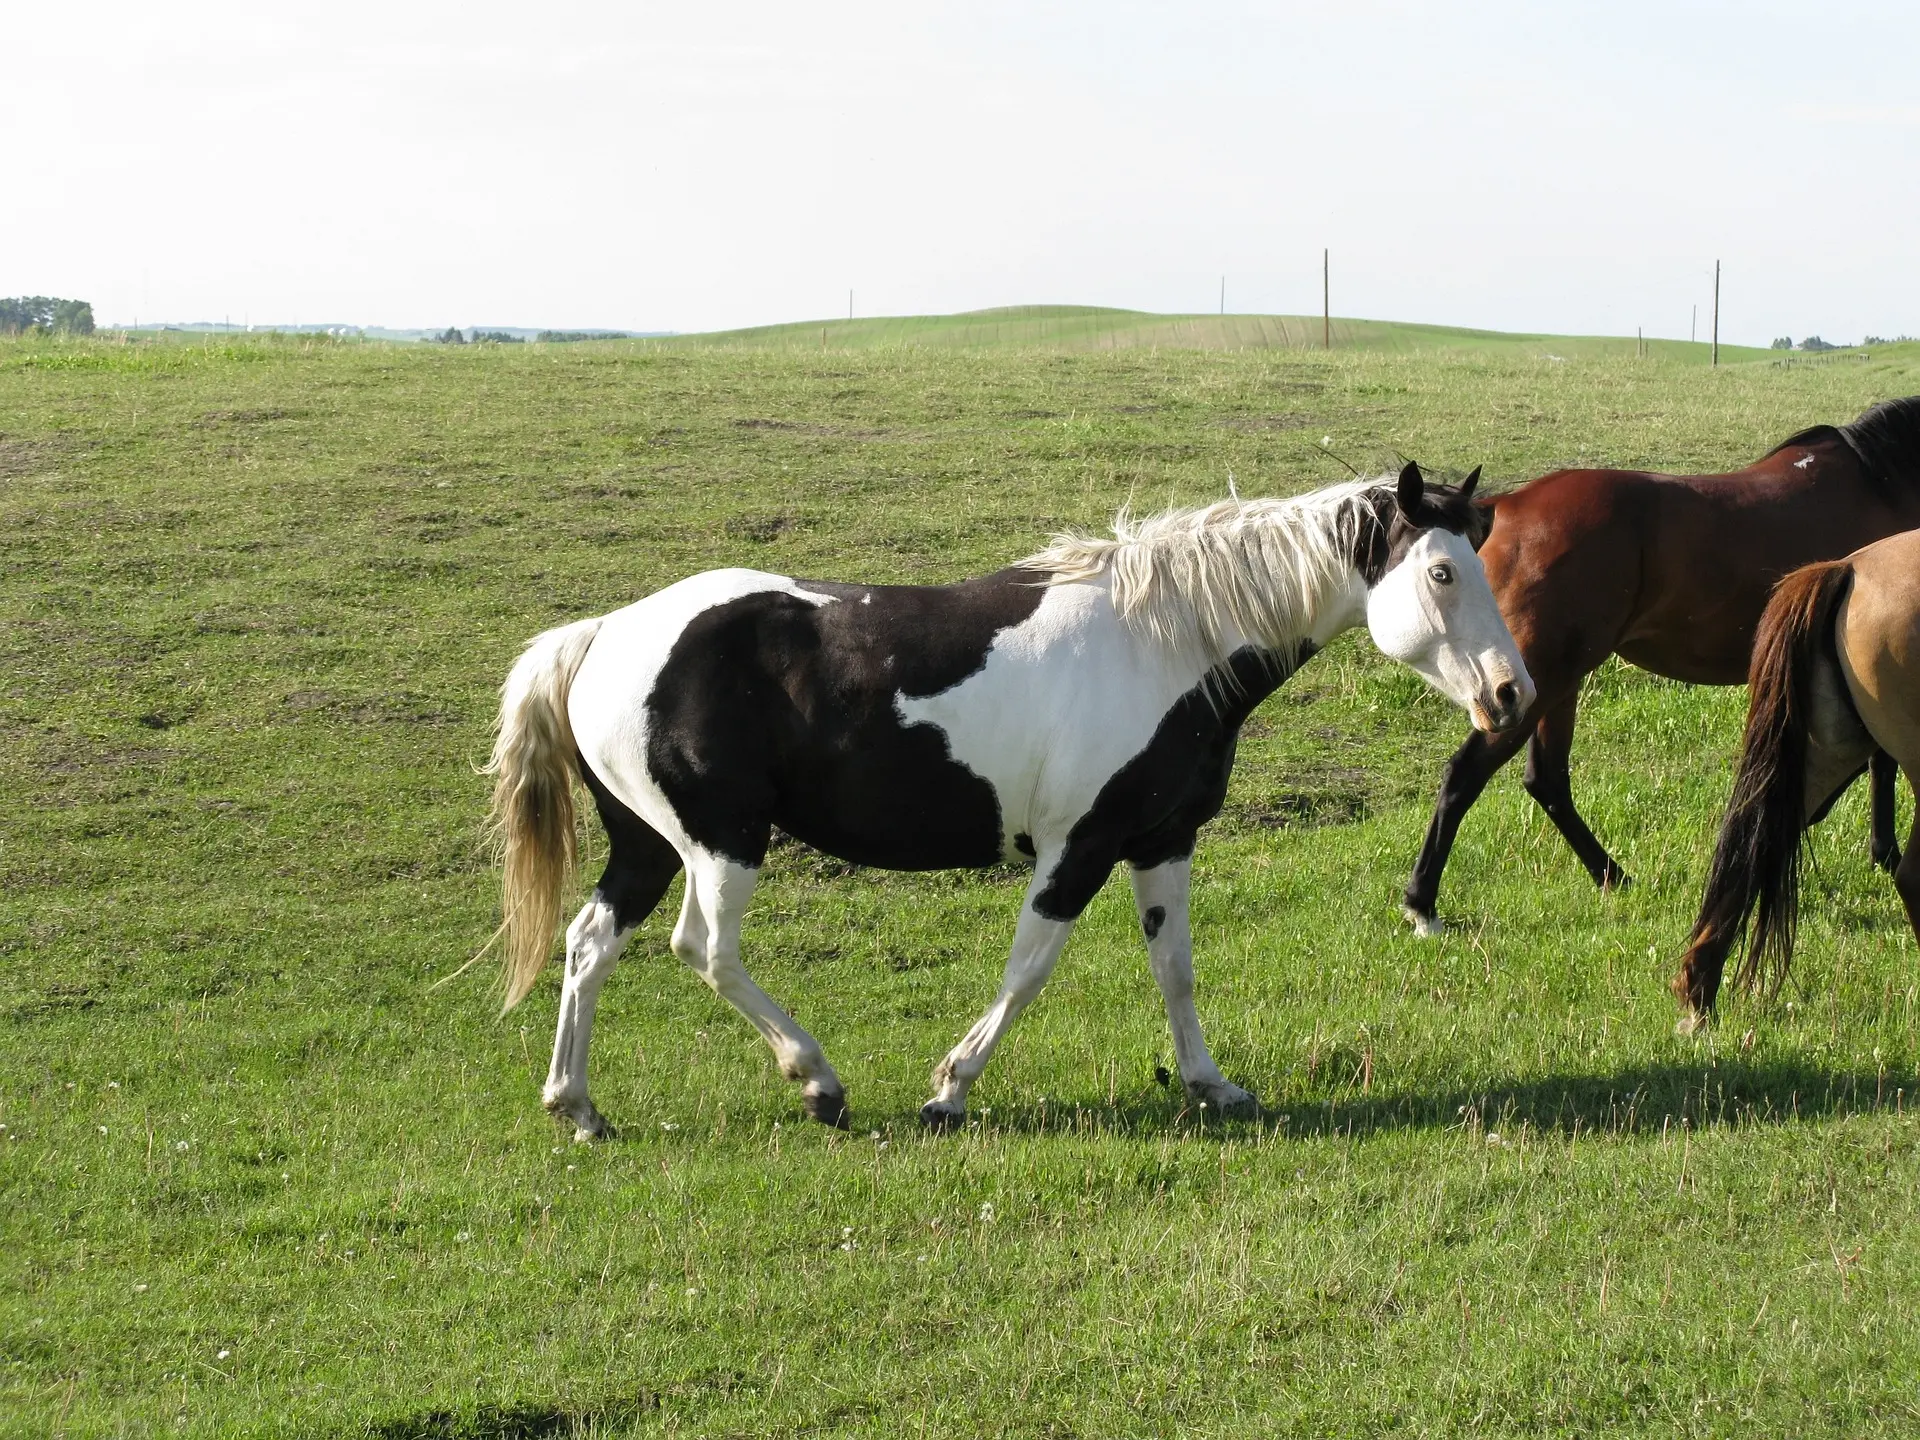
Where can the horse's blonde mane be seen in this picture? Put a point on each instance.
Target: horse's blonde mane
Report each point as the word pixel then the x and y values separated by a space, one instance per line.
pixel 1195 577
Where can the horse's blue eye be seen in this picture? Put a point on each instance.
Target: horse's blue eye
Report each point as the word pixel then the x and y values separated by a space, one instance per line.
pixel 1442 574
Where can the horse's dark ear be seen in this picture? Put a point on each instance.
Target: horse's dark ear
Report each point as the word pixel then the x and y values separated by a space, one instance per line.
pixel 1466 485
pixel 1412 490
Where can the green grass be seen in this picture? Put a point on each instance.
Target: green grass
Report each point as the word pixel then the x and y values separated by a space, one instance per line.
pixel 1092 327
pixel 255 602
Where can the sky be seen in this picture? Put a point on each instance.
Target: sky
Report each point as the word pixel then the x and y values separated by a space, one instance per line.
pixel 1566 168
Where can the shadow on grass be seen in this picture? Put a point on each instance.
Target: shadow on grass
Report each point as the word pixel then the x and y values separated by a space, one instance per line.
pixel 1711 1093
pixel 545 1421
pixel 1633 1100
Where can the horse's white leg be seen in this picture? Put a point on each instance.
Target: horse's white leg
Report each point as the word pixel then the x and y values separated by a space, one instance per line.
pixel 1037 942
pixel 593 944
pixel 707 939
pixel 1160 897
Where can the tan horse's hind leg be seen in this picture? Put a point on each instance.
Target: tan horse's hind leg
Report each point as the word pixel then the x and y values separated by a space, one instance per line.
pixel 1878 638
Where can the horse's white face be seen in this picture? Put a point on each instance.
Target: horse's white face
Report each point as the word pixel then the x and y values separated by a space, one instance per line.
pixel 1434 612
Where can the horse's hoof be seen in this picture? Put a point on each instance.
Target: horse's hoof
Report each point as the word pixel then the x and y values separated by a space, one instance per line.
pixel 940 1117
pixel 1614 880
pixel 1888 860
pixel 1229 1102
pixel 588 1123
pixel 1694 1022
pixel 1427 927
pixel 829 1107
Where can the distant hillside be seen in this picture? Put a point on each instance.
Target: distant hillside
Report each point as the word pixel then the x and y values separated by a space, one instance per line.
pixel 1091 327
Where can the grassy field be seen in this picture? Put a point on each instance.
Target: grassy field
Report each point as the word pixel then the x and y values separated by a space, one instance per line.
pixel 257 1177
pixel 1093 327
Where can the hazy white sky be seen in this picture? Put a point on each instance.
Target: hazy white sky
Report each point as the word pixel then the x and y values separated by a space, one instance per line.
pixel 1558 167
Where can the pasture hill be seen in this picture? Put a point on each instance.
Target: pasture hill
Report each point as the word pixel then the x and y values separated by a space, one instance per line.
pixel 1093 327
pixel 258 1176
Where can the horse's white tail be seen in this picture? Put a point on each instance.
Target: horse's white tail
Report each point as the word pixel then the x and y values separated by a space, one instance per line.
pixel 533 769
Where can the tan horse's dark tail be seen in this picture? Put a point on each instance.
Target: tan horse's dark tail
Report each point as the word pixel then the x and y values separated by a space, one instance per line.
pixel 1756 862
pixel 532 820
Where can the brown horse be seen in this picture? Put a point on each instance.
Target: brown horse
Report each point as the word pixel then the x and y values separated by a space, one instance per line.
pixel 1669 572
pixel 1836 676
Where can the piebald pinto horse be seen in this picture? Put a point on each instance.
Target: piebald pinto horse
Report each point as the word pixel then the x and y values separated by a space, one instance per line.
pixel 1835 677
pixel 1670 573
pixel 1074 711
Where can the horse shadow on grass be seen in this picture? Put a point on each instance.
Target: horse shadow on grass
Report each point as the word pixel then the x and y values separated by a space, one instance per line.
pixel 1719 1092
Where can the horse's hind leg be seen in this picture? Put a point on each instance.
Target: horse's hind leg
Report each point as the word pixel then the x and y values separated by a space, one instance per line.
pixel 707 939
pixel 1884 848
pixel 1549 782
pixel 639 868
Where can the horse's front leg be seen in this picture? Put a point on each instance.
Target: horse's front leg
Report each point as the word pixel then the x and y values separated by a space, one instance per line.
pixel 1037 942
pixel 1160 897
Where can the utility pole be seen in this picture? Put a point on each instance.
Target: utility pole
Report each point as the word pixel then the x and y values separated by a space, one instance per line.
pixel 1223 294
pixel 1716 312
pixel 1693 326
pixel 1326 301
pixel 849 304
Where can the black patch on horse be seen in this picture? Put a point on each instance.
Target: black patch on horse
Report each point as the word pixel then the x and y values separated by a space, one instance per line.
pixel 1151 922
pixel 773 709
pixel 1389 527
pixel 1151 809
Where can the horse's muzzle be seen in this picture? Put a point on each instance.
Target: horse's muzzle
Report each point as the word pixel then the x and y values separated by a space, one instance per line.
pixel 1504 707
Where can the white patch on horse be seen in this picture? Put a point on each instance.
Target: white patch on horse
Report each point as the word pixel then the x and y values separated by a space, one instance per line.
pixel 1803 462
pixel 1061 704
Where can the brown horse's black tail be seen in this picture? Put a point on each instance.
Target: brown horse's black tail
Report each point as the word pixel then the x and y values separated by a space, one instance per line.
pixel 1756 862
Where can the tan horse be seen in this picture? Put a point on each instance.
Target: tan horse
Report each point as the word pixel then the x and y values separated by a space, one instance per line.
pixel 1835 674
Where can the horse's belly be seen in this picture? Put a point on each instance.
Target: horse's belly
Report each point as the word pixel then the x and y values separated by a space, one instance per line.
pixel 895 800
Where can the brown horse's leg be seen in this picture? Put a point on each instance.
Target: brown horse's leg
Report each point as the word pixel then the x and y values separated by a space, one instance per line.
pixel 1884 848
pixel 1548 781
pixel 1467 774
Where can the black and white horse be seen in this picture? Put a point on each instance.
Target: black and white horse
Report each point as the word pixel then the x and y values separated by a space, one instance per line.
pixel 1073 711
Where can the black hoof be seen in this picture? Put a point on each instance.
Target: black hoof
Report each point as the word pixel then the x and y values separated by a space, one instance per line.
pixel 829 1107
pixel 1614 878
pixel 1888 860
pixel 941 1118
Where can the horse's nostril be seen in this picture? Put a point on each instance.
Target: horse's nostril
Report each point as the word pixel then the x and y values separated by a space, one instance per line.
pixel 1507 693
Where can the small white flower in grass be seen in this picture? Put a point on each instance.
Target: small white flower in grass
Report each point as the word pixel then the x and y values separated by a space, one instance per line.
pixel 182 1146
pixel 923 1259
pixel 140 1289
pixel 285 1176
pixel 69 1084
pixel 103 1129
pixel 986 1212
pixel 668 1125
pixel 113 1084
pixel 223 1354
pixel 693 1290
pixel 1326 439
pixel 464 1236
pixel 556 1149
pixel 873 1135
pixel 572 1168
